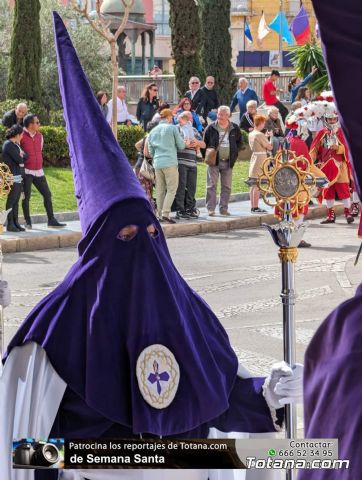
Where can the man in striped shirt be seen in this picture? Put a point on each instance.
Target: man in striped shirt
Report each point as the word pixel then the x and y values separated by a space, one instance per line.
pixel 187 166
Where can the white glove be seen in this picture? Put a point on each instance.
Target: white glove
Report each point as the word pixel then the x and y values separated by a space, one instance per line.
pixel 284 385
pixel 17 178
pixel 5 295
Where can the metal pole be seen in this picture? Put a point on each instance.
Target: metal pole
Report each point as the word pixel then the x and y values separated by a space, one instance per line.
pixel 244 45
pixel 288 257
pixel 280 34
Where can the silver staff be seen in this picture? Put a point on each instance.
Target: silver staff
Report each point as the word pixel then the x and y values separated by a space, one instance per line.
pixel 285 185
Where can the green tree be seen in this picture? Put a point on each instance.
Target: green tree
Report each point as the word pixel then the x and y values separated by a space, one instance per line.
pixel 25 52
pixel 216 45
pixel 6 20
pixel 303 58
pixel 91 49
pixel 185 40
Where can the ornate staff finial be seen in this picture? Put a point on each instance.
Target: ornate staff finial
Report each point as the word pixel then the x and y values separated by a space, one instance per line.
pixel 286 184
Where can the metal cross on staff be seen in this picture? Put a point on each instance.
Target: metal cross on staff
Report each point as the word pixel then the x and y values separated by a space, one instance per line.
pixel 286 184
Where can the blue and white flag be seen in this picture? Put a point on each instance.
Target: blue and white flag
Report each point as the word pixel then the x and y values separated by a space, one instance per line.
pixel 247 33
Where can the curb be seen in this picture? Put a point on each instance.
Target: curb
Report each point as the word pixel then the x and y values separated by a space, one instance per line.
pixel 66 240
pixel 72 216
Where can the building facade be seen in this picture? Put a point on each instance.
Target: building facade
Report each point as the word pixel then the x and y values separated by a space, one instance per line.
pixel 256 57
pixel 244 57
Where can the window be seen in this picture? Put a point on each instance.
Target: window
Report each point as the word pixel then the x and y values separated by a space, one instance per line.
pixel 240 7
pixel 161 14
pixel 294 7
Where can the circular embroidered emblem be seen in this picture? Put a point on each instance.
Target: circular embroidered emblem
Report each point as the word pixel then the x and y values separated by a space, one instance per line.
pixel 158 375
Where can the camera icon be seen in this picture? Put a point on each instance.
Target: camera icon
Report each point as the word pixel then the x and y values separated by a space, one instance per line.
pixel 36 454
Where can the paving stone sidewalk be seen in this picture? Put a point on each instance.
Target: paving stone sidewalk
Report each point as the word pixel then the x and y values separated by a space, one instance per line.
pixel 41 237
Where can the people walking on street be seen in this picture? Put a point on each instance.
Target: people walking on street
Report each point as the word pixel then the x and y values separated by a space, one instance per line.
pixel 185 202
pixel 247 120
pixel 330 150
pixel 16 115
pixel 260 145
pixel 14 157
pixel 243 96
pixel 102 99
pixel 225 137
pixel 270 92
pixel 212 100
pixel 296 83
pixel 147 105
pixel 123 116
pixel 32 144
pixel 163 143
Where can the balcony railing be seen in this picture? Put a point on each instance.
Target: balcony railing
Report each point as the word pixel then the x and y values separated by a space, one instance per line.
pixel 167 90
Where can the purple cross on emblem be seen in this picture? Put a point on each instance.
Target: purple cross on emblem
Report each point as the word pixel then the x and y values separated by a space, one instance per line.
pixel 158 377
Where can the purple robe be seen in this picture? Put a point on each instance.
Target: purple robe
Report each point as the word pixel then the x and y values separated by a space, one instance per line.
pixel 123 295
pixel 333 360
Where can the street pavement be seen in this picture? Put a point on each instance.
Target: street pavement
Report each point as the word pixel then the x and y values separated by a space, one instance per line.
pixel 41 237
pixel 237 273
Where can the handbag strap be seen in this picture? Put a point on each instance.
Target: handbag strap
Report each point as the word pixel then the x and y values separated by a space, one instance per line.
pixel 222 139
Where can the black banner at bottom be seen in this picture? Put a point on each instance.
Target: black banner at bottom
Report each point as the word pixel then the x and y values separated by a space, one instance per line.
pixel 151 453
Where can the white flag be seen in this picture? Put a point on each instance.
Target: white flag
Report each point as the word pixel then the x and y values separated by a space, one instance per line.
pixel 263 30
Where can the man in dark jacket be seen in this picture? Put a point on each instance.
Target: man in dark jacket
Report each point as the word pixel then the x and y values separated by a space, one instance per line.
pixel 197 96
pixel 212 101
pixel 226 137
pixel 16 115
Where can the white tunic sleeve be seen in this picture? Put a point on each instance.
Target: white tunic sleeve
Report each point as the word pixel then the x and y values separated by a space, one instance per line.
pixel 30 395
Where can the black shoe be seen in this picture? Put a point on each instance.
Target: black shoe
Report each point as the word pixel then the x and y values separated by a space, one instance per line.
pixel 20 228
pixel 328 220
pixel 349 219
pixel 182 214
pixel 55 224
pixel 168 220
pixel 28 226
pixel 355 209
pixel 195 213
pixel 258 210
pixel 12 228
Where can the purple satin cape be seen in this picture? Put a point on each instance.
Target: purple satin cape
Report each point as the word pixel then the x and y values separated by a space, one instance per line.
pixel 119 298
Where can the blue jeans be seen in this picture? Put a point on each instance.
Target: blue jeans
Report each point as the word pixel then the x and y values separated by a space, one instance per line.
pixel 212 116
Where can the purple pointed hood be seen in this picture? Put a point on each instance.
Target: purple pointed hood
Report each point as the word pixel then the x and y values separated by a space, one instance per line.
pixel 102 174
pixel 123 329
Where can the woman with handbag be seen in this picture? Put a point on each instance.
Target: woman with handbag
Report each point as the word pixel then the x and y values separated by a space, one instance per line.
pixel 163 143
pixel 143 168
pixel 223 141
pixel 260 146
